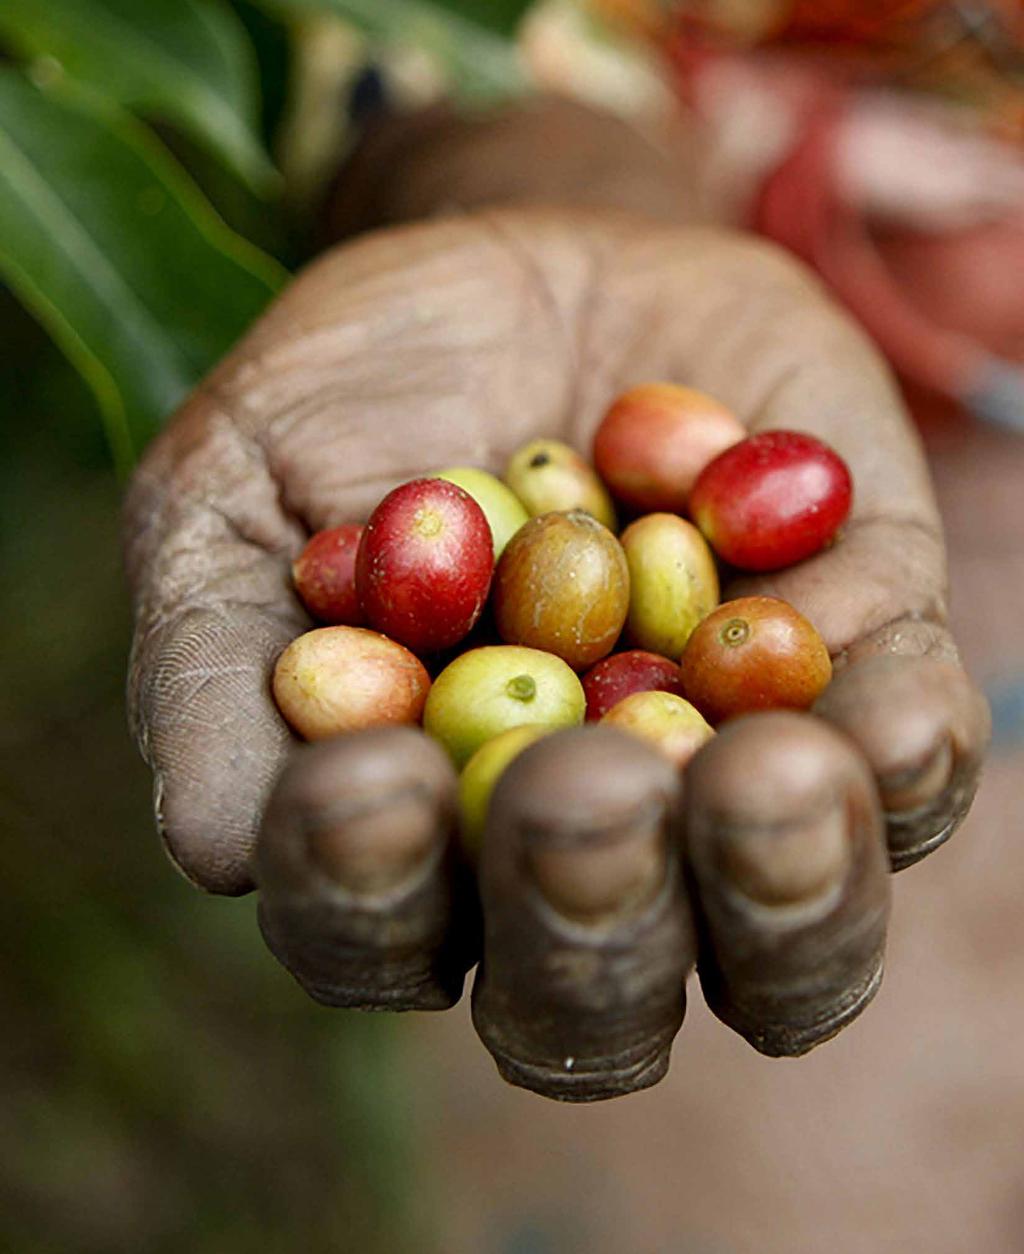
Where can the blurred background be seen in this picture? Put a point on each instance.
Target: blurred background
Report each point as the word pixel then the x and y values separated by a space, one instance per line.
pixel 163 166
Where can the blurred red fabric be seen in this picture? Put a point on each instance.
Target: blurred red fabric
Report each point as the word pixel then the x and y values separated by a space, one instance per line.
pixel 943 304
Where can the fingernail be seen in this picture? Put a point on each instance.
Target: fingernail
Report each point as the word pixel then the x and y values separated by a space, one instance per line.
pixel 790 862
pixel 372 847
pixel 918 785
pixel 597 874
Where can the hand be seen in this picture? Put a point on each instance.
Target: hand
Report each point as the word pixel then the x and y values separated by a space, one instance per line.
pixel 455 342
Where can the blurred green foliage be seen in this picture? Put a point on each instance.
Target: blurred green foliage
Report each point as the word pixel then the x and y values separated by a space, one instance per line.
pixel 107 238
pixel 187 61
pixel 91 256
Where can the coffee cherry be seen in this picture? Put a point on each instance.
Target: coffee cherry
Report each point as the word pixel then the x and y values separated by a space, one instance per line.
pixel 343 679
pixel 424 564
pixel 755 653
pixel 622 674
pixel 325 575
pixel 664 720
pixel 548 475
pixel 773 500
pixel 563 585
pixel 673 582
pixel 486 691
pixel 656 439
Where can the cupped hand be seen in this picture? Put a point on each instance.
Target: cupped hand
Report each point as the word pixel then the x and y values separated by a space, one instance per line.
pixel 604 873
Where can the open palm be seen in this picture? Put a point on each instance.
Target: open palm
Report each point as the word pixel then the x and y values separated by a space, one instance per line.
pixel 604 873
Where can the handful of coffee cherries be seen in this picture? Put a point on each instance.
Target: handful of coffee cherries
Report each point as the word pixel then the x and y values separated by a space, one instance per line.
pixel 497 612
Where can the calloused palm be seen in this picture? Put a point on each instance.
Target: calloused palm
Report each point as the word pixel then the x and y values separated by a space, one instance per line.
pixel 604 874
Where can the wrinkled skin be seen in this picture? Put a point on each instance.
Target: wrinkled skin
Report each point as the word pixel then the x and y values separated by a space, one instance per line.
pixel 603 877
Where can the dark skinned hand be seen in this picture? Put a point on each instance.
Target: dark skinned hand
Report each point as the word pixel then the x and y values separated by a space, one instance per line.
pixel 604 874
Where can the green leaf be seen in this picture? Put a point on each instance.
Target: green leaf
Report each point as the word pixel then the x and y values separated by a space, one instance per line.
pixel 484 64
pixel 186 62
pixel 113 248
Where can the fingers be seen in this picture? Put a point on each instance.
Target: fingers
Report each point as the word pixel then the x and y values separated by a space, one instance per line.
pixel 587 934
pixel 923 728
pixel 362 896
pixel 786 848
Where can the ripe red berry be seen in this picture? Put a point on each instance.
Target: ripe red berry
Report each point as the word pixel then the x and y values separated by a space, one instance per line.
pixel 772 500
pixel 424 565
pixel 622 674
pixel 754 653
pixel 325 575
